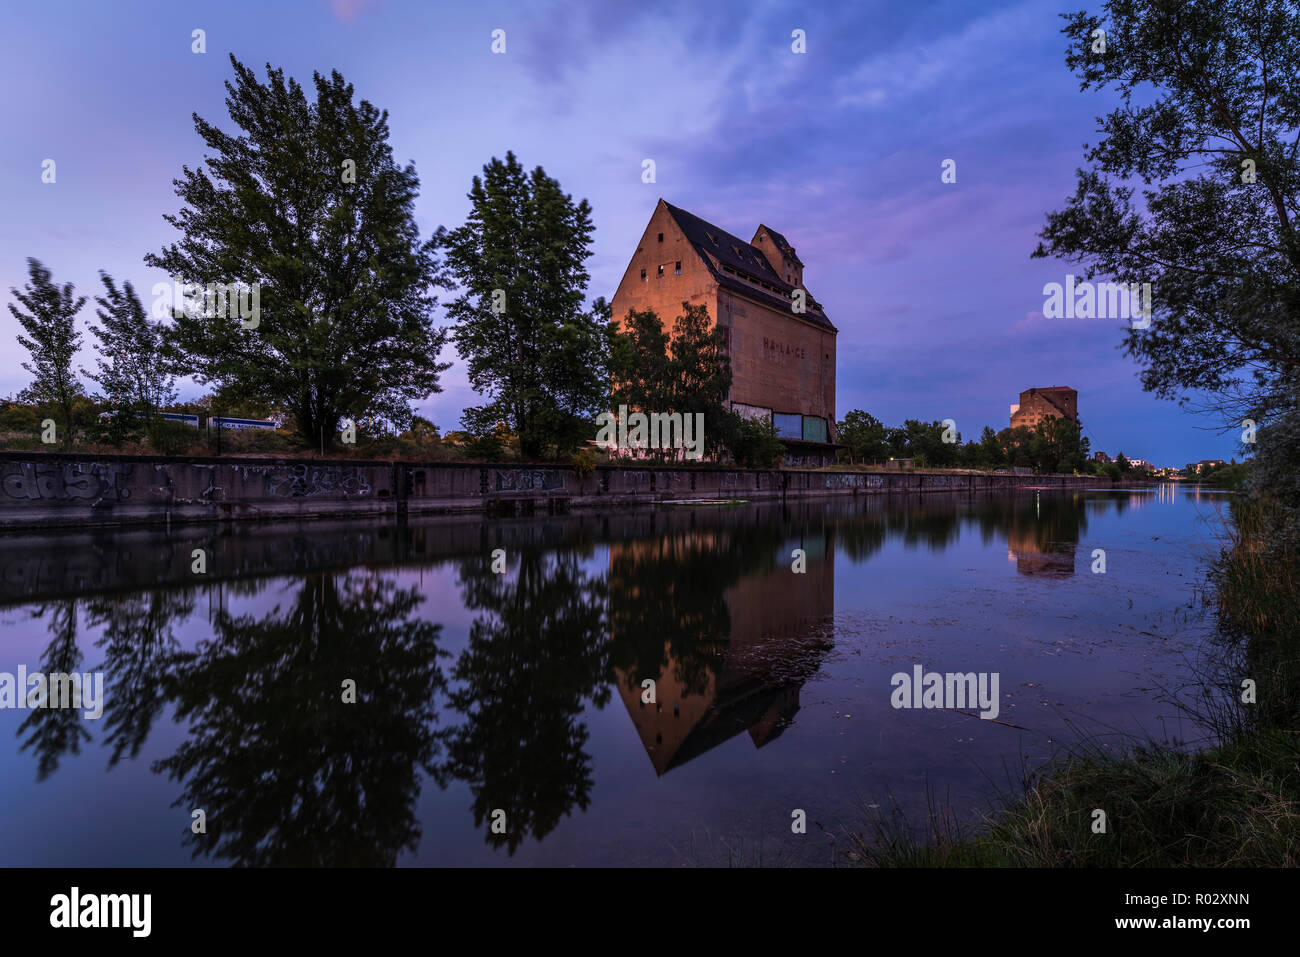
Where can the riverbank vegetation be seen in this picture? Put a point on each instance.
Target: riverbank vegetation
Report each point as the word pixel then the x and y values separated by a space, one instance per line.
pixel 1213 232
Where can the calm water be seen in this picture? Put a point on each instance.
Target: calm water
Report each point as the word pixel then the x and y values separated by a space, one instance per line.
pixel 521 691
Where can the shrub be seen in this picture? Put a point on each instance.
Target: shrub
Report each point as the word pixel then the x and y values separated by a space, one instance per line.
pixel 583 463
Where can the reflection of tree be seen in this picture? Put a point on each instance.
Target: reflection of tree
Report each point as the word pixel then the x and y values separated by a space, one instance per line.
pixel 534 655
pixel 287 773
pixel 1045 523
pixel 138 651
pixel 55 731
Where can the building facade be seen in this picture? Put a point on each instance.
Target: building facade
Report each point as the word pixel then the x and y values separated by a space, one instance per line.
pixel 782 361
pixel 1056 401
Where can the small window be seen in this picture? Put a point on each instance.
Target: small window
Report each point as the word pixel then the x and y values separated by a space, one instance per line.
pixel 661 270
pixel 677 271
pixel 661 237
pixel 643 275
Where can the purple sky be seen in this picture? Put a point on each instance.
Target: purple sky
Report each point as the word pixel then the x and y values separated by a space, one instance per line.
pixel 931 285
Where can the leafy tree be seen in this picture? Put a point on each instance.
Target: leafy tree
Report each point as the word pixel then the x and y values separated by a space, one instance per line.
pixel 307 205
pixel 865 436
pixel 753 443
pixel 700 370
pixel 687 372
pixel 521 325
pixel 1209 121
pixel 639 363
pixel 132 368
pixel 1061 446
pixel 52 340
pixel 923 442
pixel 993 454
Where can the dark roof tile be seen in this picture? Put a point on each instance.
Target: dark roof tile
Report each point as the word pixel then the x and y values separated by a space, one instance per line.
pixel 711 243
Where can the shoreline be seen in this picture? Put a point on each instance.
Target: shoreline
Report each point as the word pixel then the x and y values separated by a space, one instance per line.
pixel 60 490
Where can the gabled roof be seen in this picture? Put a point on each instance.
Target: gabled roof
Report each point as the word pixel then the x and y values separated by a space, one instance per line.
pixel 732 250
pixel 781 244
pixel 713 243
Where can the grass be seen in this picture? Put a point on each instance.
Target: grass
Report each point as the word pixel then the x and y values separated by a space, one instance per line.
pixel 1235 805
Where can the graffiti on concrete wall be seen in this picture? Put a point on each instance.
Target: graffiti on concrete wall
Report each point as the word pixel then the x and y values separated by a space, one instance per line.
pixel 305 481
pixel 528 480
pixel 22 482
pixel 854 480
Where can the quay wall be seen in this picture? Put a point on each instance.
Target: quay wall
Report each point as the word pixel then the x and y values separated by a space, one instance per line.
pixel 53 490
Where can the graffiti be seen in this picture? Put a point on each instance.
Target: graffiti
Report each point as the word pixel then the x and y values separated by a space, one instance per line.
pixel 304 481
pixel 528 480
pixel 73 481
pixel 854 480
pixel 934 481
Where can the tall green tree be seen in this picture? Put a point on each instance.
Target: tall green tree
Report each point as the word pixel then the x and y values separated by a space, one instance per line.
pixel 133 371
pixel 700 371
pixel 1208 120
pixel 48 315
pixel 865 436
pixel 306 204
pixel 685 372
pixel 531 345
pixel 640 363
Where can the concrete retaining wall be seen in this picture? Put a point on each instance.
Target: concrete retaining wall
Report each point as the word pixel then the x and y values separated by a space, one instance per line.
pixel 61 490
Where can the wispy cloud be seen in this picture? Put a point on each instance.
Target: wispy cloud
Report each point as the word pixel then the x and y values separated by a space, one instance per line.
pixel 904 72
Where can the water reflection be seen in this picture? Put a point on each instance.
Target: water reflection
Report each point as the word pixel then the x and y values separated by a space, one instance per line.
pixel 723 628
pixel 1042 543
pixel 703 601
pixel 535 655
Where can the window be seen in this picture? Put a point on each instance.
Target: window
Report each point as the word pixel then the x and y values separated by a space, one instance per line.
pixel 643 275
pixel 661 271
pixel 677 271
pixel 661 237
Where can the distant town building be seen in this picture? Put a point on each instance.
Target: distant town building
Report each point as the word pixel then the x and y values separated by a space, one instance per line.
pixel 1101 457
pixel 1056 401
pixel 1204 464
pixel 782 360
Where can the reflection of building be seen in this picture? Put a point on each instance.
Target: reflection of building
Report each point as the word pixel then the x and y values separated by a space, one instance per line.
pixel 1051 564
pixel 782 361
pixel 752 679
pixel 1042 543
pixel 1058 401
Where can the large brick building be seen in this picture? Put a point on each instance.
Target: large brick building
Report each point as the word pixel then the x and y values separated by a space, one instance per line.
pixel 782 362
pixel 1057 401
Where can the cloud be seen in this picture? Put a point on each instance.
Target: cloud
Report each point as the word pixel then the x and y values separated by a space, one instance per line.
pixel 347 11
pixel 902 73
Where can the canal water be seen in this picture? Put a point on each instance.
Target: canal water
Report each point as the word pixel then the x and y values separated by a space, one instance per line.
pixel 500 712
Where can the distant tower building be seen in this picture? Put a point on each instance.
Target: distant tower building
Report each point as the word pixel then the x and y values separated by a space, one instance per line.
pixel 1057 401
pixel 782 361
